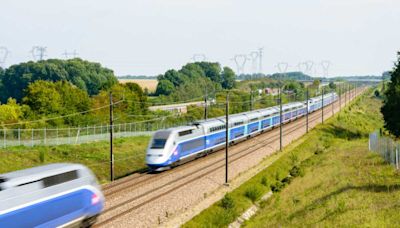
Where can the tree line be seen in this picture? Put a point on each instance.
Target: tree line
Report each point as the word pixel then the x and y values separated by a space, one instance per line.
pixel 52 88
pixel 193 79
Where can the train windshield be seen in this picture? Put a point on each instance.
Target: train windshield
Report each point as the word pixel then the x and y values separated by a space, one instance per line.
pixel 160 138
pixel 158 143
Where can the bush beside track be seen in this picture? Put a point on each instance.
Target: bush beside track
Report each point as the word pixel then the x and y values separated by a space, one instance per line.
pixel 319 164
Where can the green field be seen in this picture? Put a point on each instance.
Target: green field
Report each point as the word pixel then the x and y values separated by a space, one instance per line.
pixel 129 155
pixel 335 182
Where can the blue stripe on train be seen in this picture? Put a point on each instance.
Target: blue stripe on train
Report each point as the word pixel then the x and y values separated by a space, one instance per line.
pixel 209 141
pixel 53 212
pixel 266 123
pixel 252 127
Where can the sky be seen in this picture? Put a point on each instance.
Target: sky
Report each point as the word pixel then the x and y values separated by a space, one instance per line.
pixel 148 37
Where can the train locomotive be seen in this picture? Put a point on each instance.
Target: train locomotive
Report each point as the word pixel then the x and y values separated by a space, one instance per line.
pixel 55 195
pixel 174 146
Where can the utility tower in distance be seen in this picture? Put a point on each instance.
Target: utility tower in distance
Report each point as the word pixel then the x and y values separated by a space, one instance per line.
pixel 260 58
pixel 70 55
pixel 3 56
pixel 38 52
pixel 325 67
pixel 254 56
pixel 240 61
pixel 199 57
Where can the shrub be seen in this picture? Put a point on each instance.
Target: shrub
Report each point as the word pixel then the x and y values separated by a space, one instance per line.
pixel 287 180
pixel 253 193
pixel 296 171
pixel 277 187
pixel 319 150
pixel 264 181
pixel 41 156
pixel 227 202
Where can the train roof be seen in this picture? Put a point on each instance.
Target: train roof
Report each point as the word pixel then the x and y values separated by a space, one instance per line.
pixel 268 111
pixel 36 173
pixel 292 105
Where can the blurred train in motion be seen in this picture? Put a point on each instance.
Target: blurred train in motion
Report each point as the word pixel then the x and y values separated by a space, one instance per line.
pixel 55 195
pixel 174 146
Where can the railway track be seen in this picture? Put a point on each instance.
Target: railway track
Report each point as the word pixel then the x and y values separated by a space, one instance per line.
pixel 132 183
pixel 147 177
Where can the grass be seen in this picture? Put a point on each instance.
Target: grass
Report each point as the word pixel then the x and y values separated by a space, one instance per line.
pixel 129 156
pixel 332 173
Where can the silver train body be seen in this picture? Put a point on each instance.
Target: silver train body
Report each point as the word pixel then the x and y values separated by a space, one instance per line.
pixel 54 195
pixel 174 146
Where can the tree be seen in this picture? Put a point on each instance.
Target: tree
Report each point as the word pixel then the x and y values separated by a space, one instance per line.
pixel 60 98
pixel 10 112
pixel 332 85
pixel 2 90
pixel 88 76
pixel 391 106
pixel 212 71
pixel 316 83
pixel 175 77
pixel 228 78
pixel 165 87
pixel 43 98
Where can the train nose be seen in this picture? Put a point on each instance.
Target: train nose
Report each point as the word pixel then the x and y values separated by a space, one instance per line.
pixel 155 157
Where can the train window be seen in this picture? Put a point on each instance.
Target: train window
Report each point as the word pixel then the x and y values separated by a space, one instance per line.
pixel 2 180
pixel 254 119
pixel 217 128
pixel 158 143
pixel 183 133
pixel 60 178
pixel 238 123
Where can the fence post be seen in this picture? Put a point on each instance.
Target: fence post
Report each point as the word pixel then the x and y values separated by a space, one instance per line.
pixel 44 134
pixel 4 140
pixel 19 137
pixel 69 135
pixel 57 136
pixel 397 158
pixel 77 135
pixel 32 138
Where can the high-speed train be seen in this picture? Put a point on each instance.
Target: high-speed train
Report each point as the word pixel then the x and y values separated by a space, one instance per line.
pixel 174 146
pixel 55 195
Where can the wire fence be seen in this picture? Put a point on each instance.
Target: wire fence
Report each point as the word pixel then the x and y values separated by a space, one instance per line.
pixel 77 135
pixel 386 147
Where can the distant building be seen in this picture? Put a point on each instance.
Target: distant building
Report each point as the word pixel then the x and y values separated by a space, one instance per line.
pixel 177 108
pixel 271 91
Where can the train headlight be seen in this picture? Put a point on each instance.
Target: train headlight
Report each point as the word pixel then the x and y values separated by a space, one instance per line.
pixel 95 199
